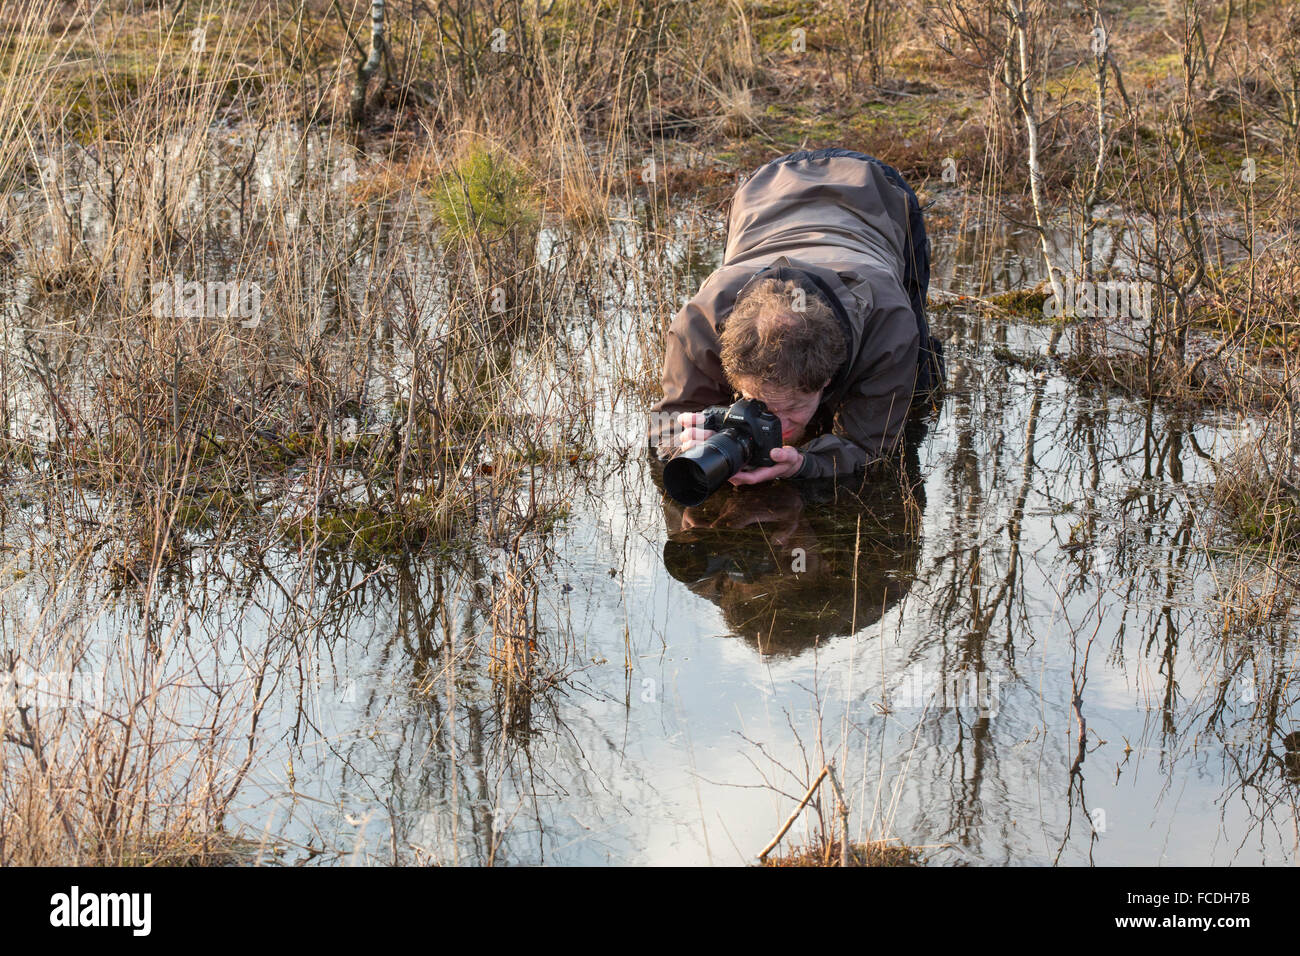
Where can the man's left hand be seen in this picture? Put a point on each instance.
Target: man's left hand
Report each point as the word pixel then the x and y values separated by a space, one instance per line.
pixel 787 460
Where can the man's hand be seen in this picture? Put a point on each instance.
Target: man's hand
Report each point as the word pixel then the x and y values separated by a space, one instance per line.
pixel 788 462
pixel 692 433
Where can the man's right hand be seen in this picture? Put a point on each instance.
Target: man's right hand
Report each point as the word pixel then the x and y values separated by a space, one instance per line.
pixel 692 429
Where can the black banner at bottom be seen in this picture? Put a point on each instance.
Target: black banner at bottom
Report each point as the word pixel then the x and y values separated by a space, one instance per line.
pixel 341 905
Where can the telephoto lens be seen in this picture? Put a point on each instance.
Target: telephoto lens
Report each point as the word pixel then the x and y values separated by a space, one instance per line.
pixel 747 435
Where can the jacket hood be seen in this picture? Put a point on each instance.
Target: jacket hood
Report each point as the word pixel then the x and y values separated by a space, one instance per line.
pixel 839 204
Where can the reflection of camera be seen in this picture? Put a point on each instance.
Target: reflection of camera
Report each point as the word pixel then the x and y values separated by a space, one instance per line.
pixel 744 436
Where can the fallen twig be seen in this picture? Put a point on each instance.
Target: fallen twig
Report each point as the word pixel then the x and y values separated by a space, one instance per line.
pixel 794 816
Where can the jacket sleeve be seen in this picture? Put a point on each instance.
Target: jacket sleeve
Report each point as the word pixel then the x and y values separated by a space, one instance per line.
pixel 692 373
pixel 873 410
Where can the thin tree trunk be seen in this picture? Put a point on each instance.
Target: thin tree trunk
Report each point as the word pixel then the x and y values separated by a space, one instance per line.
pixel 366 68
pixel 1019 14
pixel 1100 45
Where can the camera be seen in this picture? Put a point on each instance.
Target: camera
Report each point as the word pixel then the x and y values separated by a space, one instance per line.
pixel 744 436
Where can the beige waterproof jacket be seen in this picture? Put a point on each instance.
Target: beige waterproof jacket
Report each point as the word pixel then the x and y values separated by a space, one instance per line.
pixel 840 220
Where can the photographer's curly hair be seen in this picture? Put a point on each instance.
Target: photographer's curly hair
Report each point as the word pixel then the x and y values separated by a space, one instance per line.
pixel 781 334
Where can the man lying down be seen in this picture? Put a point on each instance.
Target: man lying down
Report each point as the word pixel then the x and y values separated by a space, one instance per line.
pixel 803 354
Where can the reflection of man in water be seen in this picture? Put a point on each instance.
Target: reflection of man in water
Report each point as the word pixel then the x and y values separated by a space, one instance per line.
pixel 790 565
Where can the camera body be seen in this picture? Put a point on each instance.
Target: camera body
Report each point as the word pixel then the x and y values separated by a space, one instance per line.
pixel 750 418
pixel 744 436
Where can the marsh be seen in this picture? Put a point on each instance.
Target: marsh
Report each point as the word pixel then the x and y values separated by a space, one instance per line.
pixel 383 574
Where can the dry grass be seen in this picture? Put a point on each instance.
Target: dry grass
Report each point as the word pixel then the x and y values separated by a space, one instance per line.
pixel 827 853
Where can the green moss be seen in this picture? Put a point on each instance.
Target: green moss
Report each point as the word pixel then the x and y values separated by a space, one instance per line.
pixel 367 531
pixel 772 25
pixel 1024 303
pixel 356 530
pixel 1266 518
pixel 204 510
pixel 191 515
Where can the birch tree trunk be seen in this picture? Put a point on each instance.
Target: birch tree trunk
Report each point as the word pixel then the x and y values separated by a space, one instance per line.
pixel 366 68
pixel 1018 11
pixel 1087 251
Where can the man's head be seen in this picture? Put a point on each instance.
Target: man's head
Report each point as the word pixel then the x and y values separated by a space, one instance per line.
pixel 781 344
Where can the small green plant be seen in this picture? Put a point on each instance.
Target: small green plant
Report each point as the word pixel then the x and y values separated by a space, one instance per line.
pixel 485 194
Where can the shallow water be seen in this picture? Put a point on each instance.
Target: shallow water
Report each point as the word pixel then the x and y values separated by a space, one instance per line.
pixel 967 627
pixel 932 653
pixel 704 665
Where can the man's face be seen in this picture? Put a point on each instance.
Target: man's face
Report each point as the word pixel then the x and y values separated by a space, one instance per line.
pixel 795 409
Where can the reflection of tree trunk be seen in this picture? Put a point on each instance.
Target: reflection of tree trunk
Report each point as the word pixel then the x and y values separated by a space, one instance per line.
pixel 1077 683
pixel 1176 559
pixel 983 623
